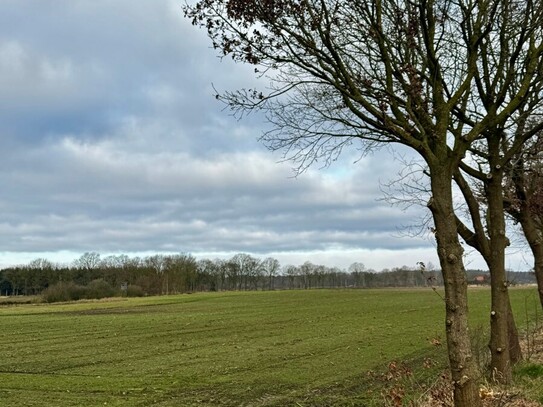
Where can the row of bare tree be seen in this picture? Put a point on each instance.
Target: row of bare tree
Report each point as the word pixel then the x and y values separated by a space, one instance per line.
pixel 458 82
pixel 182 273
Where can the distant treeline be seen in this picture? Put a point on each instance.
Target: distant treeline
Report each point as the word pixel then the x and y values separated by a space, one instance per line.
pixel 181 273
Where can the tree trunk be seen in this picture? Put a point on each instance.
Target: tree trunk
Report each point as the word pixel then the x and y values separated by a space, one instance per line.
pixel 538 269
pixel 491 248
pixel 534 238
pixel 537 250
pixel 463 367
pixel 500 313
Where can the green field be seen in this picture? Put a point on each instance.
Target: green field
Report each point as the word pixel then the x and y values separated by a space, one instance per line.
pixel 300 348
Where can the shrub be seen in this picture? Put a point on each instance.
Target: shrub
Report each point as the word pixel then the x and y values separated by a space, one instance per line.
pixel 62 291
pixel 99 288
pixel 69 291
pixel 134 291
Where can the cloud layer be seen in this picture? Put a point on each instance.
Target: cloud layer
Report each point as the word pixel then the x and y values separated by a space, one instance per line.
pixel 113 142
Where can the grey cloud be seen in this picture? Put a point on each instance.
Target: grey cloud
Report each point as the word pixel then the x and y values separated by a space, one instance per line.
pixel 98 194
pixel 116 144
pixel 86 67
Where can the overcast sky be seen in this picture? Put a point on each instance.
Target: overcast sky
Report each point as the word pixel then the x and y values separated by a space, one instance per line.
pixel 112 141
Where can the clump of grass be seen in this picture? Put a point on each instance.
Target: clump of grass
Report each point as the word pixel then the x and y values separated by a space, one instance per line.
pixel 531 370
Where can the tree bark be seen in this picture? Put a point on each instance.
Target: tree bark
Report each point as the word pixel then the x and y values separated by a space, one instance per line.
pixel 500 313
pixel 463 367
pixel 537 250
pixel 534 238
pixel 493 251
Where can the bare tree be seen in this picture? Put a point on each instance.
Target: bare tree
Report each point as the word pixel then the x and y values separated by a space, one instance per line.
pixel 212 270
pixel 271 268
pixel 88 261
pixel 491 242
pixel 392 71
pixel 474 226
pixel 358 271
pixel 158 264
pixel 291 272
pixel 246 267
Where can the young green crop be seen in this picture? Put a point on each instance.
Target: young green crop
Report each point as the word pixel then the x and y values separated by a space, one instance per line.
pixel 230 349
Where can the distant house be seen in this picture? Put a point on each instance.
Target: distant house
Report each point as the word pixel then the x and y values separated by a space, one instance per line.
pixel 480 279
